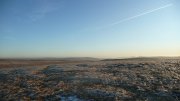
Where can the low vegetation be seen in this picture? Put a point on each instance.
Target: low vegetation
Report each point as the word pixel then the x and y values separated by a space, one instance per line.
pixel 108 80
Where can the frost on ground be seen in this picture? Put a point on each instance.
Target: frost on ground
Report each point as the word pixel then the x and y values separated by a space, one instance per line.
pixel 140 79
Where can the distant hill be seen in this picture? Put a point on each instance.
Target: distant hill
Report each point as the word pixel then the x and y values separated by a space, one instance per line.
pixel 54 59
pixel 142 58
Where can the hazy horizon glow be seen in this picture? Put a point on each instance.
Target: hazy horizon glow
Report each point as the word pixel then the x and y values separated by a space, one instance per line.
pixel 89 28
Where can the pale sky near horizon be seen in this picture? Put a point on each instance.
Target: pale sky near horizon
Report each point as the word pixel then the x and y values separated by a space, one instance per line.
pixel 89 28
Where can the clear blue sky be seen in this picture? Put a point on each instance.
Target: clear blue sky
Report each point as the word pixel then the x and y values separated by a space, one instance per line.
pixel 89 28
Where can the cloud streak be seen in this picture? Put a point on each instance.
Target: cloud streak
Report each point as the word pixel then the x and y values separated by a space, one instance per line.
pixel 136 16
pixel 43 10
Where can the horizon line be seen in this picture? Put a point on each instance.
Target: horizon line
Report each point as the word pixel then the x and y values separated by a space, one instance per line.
pixel 88 57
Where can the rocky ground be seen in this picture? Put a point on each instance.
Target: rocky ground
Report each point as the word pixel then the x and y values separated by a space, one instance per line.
pixel 140 79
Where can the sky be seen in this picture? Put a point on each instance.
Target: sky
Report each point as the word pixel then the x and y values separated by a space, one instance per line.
pixel 89 28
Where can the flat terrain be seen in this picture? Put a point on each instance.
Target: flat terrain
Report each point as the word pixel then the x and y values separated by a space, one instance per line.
pixel 135 79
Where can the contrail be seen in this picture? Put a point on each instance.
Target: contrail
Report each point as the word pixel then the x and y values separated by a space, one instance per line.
pixel 136 16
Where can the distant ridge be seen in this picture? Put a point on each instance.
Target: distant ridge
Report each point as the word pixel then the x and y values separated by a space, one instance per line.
pixel 143 58
pixel 56 59
pixel 92 58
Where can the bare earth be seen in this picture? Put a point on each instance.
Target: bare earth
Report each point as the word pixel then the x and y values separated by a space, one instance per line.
pixel 136 79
